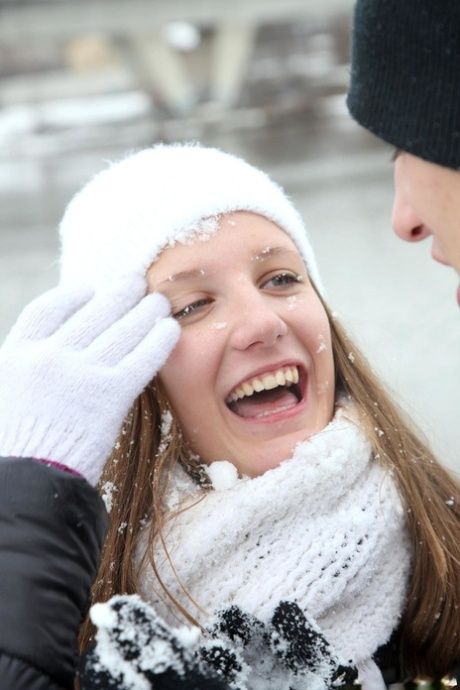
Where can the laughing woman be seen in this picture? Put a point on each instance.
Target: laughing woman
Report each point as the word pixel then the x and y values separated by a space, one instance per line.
pixel 283 525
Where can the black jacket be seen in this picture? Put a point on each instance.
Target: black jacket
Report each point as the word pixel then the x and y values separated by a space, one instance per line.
pixel 52 527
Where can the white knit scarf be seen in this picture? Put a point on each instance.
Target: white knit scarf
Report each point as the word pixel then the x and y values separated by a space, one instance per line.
pixel 324 529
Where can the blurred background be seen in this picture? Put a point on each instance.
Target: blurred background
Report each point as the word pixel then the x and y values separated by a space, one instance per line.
pixel 86 81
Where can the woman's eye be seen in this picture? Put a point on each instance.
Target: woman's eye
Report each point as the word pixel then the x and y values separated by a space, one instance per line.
pixel 191 308
pixel 283 279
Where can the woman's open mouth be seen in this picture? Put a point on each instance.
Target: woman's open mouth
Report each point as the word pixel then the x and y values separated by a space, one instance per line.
pixel 270 394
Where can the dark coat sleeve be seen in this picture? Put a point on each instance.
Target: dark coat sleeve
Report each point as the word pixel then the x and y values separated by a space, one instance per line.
pixel 52 527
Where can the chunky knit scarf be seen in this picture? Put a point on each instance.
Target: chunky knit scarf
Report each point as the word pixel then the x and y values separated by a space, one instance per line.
pixel 325 529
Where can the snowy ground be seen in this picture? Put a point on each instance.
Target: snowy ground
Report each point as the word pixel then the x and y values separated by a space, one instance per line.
pixel 399 304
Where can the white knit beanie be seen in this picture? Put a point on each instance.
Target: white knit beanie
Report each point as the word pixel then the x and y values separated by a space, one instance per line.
pixel 121 220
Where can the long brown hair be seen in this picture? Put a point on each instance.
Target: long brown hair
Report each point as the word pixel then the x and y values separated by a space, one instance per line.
pixel 140 465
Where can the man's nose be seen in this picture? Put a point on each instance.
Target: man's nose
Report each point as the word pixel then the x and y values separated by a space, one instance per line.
pixel 257 323
pixel 437 253
pixel 406 223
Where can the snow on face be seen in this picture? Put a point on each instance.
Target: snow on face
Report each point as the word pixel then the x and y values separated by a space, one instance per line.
pixel 247 380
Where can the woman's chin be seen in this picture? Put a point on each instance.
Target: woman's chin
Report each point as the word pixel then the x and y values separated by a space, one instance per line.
pixel 253 454
pixel 261 462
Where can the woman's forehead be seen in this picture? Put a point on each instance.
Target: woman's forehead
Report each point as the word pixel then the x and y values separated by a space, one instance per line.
pixel 239 235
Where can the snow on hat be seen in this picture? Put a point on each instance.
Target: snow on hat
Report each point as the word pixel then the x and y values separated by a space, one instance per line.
pixel 121 220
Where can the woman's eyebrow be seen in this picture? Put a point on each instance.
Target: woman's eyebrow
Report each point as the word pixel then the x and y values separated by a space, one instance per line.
pixel 183 276
pixel 269 252
pixel 194 273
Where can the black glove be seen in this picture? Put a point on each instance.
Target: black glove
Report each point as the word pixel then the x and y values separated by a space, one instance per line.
pixel 301 645
pixel 135 648
pixel 287 652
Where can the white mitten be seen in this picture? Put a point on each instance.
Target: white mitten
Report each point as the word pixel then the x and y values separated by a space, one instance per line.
pixel 71 368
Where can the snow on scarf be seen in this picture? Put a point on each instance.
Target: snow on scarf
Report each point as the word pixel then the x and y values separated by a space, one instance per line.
pixel 325 529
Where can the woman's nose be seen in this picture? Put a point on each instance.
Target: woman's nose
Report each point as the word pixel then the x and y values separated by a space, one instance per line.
pixel 257 323
pixel 406 223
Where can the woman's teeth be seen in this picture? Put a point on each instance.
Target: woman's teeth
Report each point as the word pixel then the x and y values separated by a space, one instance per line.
pixel 282 377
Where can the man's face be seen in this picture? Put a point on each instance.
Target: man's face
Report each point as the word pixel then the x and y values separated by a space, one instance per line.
pixel 427 202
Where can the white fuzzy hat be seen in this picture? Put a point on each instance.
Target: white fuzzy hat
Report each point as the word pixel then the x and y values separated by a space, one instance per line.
pixel 121 220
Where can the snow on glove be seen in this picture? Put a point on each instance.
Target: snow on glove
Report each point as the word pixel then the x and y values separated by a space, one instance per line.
pixel 71 368
pixel 301 646
pixel 290 652
pixel 135 648
pixel 230 633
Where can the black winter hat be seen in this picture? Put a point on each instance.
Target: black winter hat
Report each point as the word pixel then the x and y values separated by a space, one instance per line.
pixel 405 75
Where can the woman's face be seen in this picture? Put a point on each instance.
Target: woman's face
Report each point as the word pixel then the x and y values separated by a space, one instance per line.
pixel 253 372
